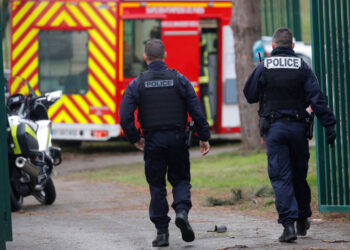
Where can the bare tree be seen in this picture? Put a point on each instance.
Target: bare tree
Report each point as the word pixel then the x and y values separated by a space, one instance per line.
pixel 246 26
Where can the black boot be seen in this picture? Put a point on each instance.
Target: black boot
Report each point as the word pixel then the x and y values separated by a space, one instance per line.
pixel 181 222
pixel 288 234
pixel 302 226
pixel 162 239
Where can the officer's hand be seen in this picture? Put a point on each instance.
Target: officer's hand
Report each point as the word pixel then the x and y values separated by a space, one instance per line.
pixel 204 145
pixel 331 135
pixel 140 144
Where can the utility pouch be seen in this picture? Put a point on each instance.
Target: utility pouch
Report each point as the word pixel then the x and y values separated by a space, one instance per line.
pixel 310 126
pixel 264 125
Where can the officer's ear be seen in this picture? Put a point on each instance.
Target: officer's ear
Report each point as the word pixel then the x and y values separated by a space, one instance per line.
pixel 274 45
pixel 293 44
pixel 146 58
pixel 165 55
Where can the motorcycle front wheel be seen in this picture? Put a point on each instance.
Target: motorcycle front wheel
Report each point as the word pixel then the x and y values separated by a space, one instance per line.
pixel 16 199
pixel 48 195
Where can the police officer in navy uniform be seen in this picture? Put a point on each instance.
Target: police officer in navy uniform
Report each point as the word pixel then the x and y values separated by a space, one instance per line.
pixel 284 85
pixel 164 98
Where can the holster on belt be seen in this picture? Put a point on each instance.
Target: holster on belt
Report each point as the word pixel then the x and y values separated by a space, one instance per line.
pixel 264 125
pixel 310 125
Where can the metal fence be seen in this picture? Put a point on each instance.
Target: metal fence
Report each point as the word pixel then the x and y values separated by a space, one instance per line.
pixel 330 44
pixel 5 209
pixel 281 13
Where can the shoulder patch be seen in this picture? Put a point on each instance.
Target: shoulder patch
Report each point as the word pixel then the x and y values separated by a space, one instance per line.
pixel 280 62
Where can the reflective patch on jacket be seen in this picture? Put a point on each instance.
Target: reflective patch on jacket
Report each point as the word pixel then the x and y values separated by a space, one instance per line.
pixel 281 62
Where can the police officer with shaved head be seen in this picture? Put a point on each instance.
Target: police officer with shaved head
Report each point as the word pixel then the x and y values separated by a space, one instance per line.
pixel 285 86
pixel 164 98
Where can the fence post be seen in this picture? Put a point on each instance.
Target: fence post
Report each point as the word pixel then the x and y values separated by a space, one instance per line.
pixel 5 207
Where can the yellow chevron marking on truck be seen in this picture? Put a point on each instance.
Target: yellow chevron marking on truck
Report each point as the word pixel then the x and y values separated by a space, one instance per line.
pixel 76 12
pixel 95 119
pixel 101 58
pixel 29 70
pixel 63 117
pixel 29 37
pixel 53 109
pixel 109 119
pixel 83 105
pixel 92 98
pixel 73 109
pixel 64 16
pixel 21 13
pixel 29 21
pixel 99 23
pixel 106 14
pixel 24 59
pixel 15 4
pixel 15 84
pixel 101 41
pixel 101 75
pixel 49 14
pixel 102 94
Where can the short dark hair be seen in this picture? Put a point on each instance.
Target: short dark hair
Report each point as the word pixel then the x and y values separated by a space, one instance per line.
pixel 283 37
pixel 155 49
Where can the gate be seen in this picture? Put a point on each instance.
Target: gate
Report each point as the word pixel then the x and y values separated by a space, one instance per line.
pixel 5 209
pixel 330 44
pixel 281 13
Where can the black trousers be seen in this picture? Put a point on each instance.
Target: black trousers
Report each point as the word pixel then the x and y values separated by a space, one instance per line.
pixel 288 156
pixel 166 153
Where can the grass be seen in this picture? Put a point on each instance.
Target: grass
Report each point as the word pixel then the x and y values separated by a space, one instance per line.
pixel 218 174
pixel 237 179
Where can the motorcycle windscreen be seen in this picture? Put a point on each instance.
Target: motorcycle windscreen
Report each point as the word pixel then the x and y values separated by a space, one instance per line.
pixel 182 42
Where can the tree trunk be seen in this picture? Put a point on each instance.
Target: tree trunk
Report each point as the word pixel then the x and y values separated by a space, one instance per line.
pixel 246 26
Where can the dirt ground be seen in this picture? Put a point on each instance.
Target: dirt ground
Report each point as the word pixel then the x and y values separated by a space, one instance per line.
pixel 105 215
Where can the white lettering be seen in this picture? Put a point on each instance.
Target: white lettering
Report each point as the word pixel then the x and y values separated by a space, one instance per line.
pixel 282 63
pixel 175 10
pixel 159 84
pixel 178 24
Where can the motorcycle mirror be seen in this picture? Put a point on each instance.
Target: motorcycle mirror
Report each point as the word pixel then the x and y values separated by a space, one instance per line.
pixel 54 96
pixel 20 82
pixel 31 90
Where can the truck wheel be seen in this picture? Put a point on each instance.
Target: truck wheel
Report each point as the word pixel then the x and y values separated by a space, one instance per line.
pixel 48 195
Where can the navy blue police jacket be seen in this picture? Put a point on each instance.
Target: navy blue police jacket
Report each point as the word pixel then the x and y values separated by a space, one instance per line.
pixel 131 100
pixel 313 95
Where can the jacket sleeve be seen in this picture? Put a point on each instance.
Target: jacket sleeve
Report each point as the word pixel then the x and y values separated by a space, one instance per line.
pixel 315 98
pixel 252 87
pixel 128 106
pixel 194 108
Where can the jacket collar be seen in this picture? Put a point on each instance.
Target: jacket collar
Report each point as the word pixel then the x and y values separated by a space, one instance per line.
pixel 157 66
pixel 283 50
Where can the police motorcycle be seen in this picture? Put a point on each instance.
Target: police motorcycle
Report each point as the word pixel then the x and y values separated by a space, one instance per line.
pixel 31 155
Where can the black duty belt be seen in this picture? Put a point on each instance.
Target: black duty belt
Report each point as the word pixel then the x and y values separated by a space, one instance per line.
pixel 288 118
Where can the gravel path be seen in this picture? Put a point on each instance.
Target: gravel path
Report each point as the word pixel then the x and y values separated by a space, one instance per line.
pixel 104 215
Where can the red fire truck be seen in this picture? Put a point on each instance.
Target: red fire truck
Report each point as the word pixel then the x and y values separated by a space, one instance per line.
pixel 91 50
